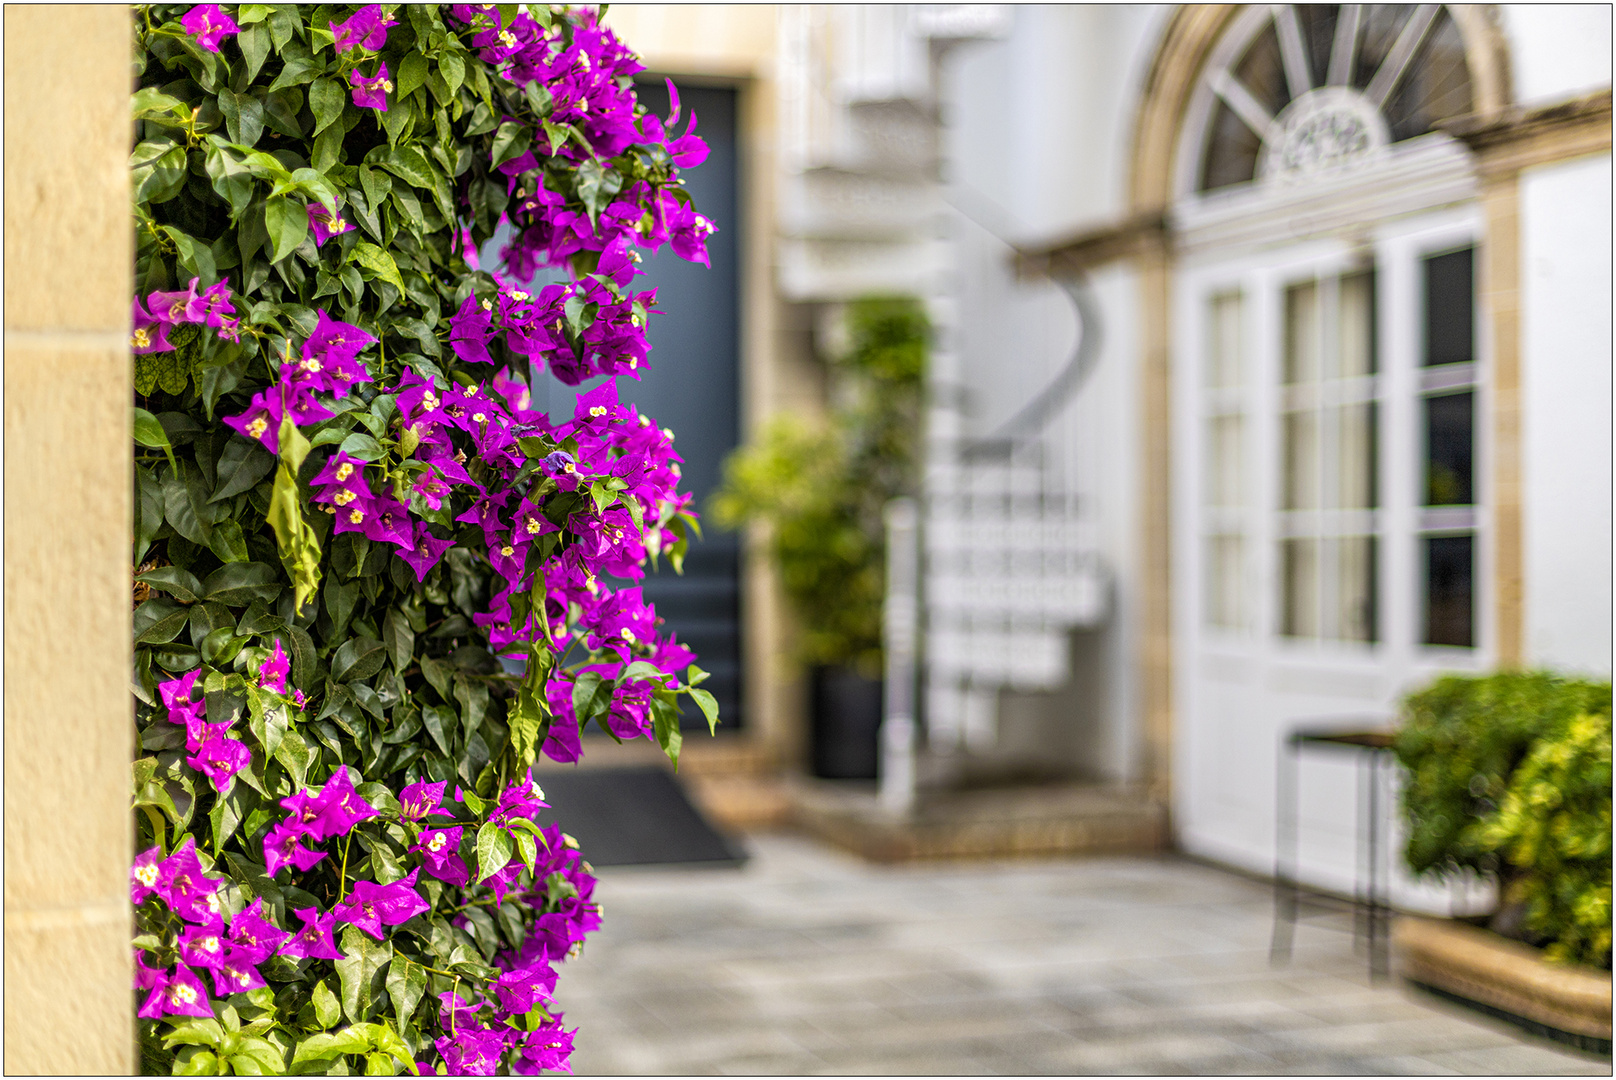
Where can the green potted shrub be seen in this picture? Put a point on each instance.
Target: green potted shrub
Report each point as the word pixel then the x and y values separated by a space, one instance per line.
pixel 821 489
pixel 1509 774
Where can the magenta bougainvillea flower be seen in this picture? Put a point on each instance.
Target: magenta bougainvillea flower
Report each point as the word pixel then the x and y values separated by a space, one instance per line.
pixel 177 993
pixel 201 947
pixel 555 519
pixel 149 334
pixel 371 906
pixel 187 889
pixel 208 25
pixel 325 224
pixel 440 854
pixel 366 27
pixel 547 1048
pixel 422 800
pixel 519 990
pixel 273 671
pixel 371 92
pixel 315 940
pixel 284 847
pixel 253 938
pixel 236 974
pixel 146 875
pixel 220 759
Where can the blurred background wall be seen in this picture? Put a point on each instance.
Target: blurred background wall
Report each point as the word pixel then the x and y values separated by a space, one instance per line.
pixel 1270 371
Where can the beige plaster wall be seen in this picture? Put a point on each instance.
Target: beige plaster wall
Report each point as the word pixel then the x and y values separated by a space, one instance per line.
pixel 68 722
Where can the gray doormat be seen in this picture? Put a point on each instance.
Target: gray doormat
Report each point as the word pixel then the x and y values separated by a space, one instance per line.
pixel 633 816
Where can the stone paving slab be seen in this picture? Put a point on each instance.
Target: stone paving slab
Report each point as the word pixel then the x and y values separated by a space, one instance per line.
pixel 807 961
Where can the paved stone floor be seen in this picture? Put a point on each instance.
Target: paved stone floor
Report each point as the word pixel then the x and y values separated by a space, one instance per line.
pixel 808 961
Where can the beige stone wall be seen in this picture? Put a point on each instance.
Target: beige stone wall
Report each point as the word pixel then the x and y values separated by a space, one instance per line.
pixel 68 724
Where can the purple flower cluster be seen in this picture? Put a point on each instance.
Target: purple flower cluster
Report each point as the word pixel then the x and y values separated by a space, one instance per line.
pixel 209 25
pixel 329 364
pixel 162 310
pixel 201 941
pixel 334 811
pixel 590 83
pixel 213 752
pixel 481 1033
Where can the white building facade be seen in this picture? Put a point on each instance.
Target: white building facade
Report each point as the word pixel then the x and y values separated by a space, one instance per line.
pixel 1273 361
pixel 1341 420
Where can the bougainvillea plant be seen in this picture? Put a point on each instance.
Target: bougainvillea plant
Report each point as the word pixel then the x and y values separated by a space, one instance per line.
pixel 373 585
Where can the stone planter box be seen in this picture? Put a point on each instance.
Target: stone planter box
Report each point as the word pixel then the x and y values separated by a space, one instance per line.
pixel 1569 1003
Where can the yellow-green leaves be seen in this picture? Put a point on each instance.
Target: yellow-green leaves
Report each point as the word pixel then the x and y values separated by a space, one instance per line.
pixel 299 546
pixel 373 262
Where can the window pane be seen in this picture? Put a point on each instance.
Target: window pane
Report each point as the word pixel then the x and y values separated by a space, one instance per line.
pixel 1450 308
pixel 1356 341
pixel 1449 449
pixel 1299 575
pixel 1302 333
pixel 1301 434
pixel 1450 590
pixel 1224 366
pixel 1225 584
pixel 1353 455
pixel 1224 487
pixel 1355 588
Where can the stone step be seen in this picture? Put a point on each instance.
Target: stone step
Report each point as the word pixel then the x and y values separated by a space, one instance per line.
pixel 1045 819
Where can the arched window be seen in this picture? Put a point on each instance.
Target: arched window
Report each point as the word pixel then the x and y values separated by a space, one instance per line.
pixel 1299 89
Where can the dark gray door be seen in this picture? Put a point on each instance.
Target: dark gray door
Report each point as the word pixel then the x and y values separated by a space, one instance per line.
pixel 692 387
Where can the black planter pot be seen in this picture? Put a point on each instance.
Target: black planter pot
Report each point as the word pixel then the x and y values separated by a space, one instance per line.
pixel 846 724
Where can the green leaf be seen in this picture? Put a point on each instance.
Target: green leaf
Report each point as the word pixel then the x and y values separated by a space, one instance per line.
pixel 159 621
pixel 400 639
pixel 185 504
pixel 440 723
pixel 406 983
pixel 239 584
pixel 357 658
pixel 708 705
pixel 326 101
pixel 194 1031
pixel 586 696
pixel 327 1009
pixel 242 465
pixel 665 725
pixel 243 117
pixel 324 1047
pixel 228 542
pixel 527 849
pixel 411 73
pixel 377 262
pixel 493 849
pixel 288 225
pixel 198 1063
pixel 296 73
pixel 294 753
pixel 158 170
pixel 453 70
pixel 254 42
pixel 195 257
pixel 150 433
pixel 361 972
pixel 511 141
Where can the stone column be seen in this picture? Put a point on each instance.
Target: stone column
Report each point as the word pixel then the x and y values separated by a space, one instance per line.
pixel 69 727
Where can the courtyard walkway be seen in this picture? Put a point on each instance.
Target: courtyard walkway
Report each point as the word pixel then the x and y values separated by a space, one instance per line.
pixel 807 961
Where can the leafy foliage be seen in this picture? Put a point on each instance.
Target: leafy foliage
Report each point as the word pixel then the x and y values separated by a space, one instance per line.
pixel 822 491
pixel 372 585
pixel 1554 825
pixel 1509 774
